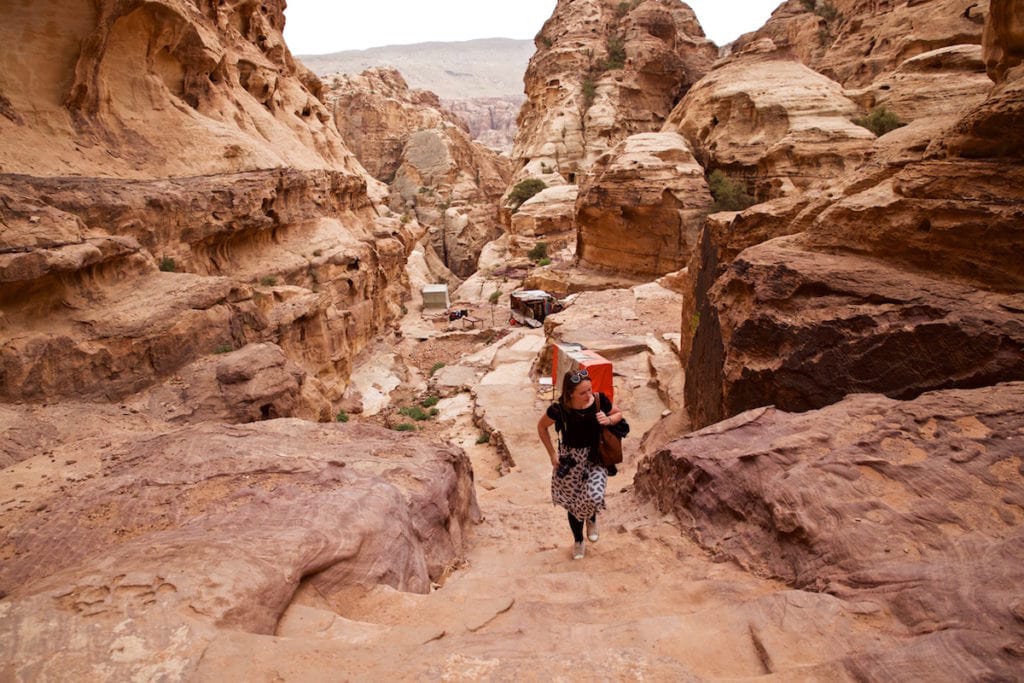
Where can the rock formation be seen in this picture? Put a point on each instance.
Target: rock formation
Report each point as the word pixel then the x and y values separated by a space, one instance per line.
pixel 491 120
pixel 175 536
pixel 640 207
pixel 854 42
pixel 763 117
pixel 901 280
pixel 911 510
pixel 604 71
pixel 433 167
pixel 148 219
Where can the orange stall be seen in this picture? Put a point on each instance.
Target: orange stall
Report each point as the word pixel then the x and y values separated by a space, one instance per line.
pixel 568 356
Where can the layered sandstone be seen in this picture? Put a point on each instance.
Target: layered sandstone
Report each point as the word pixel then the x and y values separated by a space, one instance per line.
pixel 855 42
pixel 175 538
pixel 604 71
pixel 426 155
pixel 173 186
pixel 641 205
pixel 911 510
pixel 904 279
pixel 491 120
pixel 776 123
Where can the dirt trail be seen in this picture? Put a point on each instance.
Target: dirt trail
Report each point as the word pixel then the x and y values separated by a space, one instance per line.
pixel 645 604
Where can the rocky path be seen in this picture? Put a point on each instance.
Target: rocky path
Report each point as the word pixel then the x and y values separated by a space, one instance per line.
pixel 645 604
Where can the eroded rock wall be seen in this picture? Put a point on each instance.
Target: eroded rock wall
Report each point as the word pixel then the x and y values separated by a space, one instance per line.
pixel 604 71
pixel 905 282
pixel 174 187
pixel 435 170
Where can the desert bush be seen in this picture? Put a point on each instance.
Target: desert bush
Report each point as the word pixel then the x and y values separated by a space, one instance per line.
pixel 415 412
pixel 342 416
pixel 809 5
pixel 729 194
pixel 430 401
pixel 544 262
pixel 435 367
pixel 589 92
pixel 268 280
pixel 539 251
pixel 404 427
pixel 828 12
pixel 880 121
pixel 616 47
pixel 525 189
pixel 485 437
pixel 495 295
pixel 167 264
pixel 224 348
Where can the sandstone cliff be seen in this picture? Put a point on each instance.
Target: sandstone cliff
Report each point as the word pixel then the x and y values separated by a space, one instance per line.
pixel 434 169
pixel 604 70
pixel 173 186
pixel 901 280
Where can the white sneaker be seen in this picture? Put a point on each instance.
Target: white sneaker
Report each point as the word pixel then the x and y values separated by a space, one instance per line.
pixel 578 551
pixel 592 531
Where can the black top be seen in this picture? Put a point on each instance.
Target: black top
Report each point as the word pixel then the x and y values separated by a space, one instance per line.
pixel 580 429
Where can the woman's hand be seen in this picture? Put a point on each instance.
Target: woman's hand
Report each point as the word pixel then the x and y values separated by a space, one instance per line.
pixel 603 419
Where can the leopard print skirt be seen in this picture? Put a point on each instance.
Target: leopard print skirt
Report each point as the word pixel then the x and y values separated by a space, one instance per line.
pixel 580 489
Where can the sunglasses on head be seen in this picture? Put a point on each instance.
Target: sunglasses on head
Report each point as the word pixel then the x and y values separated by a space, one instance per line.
pixel 578 376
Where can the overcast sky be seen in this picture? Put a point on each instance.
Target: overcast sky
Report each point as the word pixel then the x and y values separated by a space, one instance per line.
pixel 323 26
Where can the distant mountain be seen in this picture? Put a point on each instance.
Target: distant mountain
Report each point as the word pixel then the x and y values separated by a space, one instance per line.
pixel 489 67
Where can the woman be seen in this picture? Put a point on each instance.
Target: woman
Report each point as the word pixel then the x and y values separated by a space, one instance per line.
pixel 578 481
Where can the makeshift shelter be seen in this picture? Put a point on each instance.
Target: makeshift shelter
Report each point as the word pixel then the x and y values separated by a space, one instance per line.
pixel 531 306
pixel 568 356
pixel 435 296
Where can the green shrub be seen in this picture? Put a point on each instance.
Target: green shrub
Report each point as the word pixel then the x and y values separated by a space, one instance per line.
pixel 318 252
pixel 539 251
pixel 435 367
pixel 415 412
pixel 268 280
pixel 544 262
pixel 546 42
pixel 224 348
pixel 342 416
pixel 495 295
pixel 622 10
pixel 616 47
pixel 589 92
pixel 434 412
pixel 729 194
pixel 167 264
pixel 405 427
pixel 429 401
pixel 694 323
pixel 880 121
pixel 809 5
pixel 828 12
pixel 525 189
pixel 485 437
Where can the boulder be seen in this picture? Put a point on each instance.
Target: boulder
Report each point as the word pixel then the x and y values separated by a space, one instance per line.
pixel 640 206
pixel 911 511
pixel 172 539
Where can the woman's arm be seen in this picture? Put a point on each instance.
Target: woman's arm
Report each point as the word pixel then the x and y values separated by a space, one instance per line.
pixel 545 437
pixel 612 417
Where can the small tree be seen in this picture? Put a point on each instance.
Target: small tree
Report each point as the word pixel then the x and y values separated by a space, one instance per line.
pixel 525 189
pixel 616 47
pixel 729 194
pixel 589 92
pixel 539 251
pixel 880 121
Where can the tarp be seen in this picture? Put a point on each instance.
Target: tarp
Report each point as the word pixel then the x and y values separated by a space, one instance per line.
pixel 568 356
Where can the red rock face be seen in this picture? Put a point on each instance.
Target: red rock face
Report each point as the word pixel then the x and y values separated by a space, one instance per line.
pixel 904 280
pixel 640 207
pixel 909 512
pixel 177 535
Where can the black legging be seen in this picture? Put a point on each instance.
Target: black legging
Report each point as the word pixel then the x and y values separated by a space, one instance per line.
pixel 577 526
